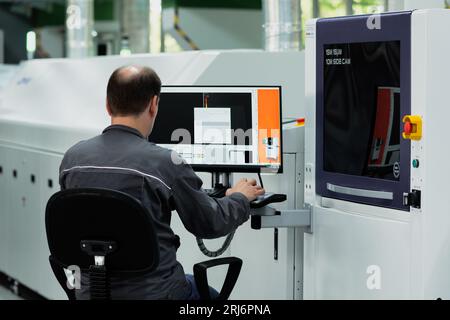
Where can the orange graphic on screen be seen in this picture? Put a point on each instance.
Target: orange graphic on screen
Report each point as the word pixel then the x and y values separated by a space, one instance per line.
pixel 269 144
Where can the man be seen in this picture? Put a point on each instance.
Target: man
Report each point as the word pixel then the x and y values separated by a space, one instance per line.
pixel 121 158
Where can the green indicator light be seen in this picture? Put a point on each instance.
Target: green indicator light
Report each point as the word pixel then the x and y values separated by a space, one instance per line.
pixel 415 163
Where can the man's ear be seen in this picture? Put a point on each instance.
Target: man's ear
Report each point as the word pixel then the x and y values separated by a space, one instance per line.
pixel 108 108
pixel 154 106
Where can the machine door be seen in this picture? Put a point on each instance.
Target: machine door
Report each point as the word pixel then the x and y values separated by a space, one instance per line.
pixel 364 86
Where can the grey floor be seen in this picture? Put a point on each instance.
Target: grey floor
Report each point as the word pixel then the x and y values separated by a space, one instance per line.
pixel 7 295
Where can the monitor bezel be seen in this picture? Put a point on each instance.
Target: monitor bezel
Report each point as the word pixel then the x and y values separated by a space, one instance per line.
pixel 396 27
pixel 240 168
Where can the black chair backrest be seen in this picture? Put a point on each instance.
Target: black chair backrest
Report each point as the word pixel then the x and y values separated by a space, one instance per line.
pixel 77 215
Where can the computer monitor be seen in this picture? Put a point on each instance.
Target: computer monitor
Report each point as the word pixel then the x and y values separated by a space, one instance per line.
pixel 222 128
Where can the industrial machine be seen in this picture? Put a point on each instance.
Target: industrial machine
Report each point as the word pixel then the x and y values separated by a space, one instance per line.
pixel 366 212
pixel 375 162
pixel 49 105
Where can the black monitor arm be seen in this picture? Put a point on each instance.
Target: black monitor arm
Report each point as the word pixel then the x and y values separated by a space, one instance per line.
pixel 220 183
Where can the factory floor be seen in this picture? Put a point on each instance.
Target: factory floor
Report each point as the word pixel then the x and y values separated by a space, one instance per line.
pixel 5 294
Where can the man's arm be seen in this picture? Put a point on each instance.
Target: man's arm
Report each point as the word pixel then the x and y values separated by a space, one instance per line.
pixel 206 217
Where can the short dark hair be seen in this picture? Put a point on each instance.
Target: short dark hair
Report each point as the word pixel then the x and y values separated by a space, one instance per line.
pixel 130 90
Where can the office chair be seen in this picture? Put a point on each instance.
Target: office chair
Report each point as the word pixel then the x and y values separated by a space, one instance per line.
pixel 109 233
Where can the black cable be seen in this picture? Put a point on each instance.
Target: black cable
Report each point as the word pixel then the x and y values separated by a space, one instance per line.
pixel 217 253
pixel 227 242
pixel 218 191
pixel 260 180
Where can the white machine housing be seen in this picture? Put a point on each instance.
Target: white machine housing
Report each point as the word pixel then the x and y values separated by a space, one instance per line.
pixel 367 252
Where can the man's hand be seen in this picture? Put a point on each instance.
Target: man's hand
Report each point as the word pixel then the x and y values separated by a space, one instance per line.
pixel 248 188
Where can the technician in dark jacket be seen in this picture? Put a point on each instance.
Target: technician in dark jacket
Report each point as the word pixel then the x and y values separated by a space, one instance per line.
pixel 121 158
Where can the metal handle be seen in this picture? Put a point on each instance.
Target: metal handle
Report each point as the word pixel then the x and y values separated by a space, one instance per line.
pixel 361 192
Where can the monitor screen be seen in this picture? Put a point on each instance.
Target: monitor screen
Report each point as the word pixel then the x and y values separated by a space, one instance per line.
pixel 222 128
pixel 362 114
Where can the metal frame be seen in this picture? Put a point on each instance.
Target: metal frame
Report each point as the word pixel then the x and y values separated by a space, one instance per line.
pixel 269 217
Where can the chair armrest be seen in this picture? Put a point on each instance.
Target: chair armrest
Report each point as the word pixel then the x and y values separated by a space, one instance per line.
pixel 201 277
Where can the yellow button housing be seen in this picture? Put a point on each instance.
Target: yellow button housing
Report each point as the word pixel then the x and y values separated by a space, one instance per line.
pixel 415 123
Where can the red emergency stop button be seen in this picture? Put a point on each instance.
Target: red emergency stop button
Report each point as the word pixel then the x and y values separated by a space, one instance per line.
pixel 408 128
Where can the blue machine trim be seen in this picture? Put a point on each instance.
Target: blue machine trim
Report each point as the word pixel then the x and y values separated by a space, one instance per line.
pixel 394 27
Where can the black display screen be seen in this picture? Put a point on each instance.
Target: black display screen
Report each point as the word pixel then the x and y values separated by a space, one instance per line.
pixel 176 111
pixel 362 123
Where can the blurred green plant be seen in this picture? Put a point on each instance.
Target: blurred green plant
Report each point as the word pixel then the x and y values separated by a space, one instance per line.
pixel 335 8
pixel 368 6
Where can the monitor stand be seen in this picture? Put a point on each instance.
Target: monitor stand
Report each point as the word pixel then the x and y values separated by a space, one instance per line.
pixel 220 182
